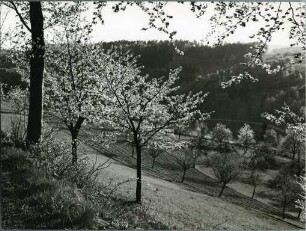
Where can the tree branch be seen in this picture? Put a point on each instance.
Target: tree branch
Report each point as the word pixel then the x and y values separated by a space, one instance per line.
pixel 20 16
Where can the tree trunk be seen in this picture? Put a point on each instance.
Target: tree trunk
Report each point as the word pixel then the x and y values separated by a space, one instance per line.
pixel 284 208
pixel 293 156
pixel 1 152
pixel 222 189
pixel 153 163
pixel 138 186
pixel 74 131
pixel 183 177
pixel 133 149
pixel 37 64
pixel 254 189
pixel 299 213
pixel 74 146
pixel 194 162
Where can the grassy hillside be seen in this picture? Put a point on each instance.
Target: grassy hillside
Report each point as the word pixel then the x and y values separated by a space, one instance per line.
pixel 166 202
pixel 186 200
pixel 41 189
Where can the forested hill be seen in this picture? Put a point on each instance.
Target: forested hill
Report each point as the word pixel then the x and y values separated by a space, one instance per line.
pixel 204 68
pixel 158 57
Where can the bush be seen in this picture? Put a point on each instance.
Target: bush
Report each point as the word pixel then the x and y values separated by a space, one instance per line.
pixel 18 131
pixel 5 140
pixel 55 157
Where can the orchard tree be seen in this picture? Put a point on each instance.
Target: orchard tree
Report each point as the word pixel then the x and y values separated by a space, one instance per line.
pixel 287 186
pixel 226 166
pixel 300 202
pixel 199 141
pixel 71 81
pixel 154 153
pixel 160 143
pixel 270 137
pixel 195 153
pixel 180 129
pixel 185 160
pixel 201 128
pixel 35 18
pixel 144 107
pixel 246 138
pixel 294 141
pixel 255 177
pixel 221 135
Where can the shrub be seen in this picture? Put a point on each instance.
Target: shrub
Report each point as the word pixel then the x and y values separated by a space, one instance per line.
pixel 55 157
pixel 18 131
pixel 5 139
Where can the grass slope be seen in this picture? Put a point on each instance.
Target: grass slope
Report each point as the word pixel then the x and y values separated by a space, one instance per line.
pixel 191 205
pixel 181 205
pixel 31 199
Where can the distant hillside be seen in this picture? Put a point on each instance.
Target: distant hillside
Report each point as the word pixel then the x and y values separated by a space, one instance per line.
pixel 284 50
pixel 204 68
pixel 285 56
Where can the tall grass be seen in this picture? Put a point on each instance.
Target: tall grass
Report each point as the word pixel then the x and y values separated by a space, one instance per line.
pixel 43 190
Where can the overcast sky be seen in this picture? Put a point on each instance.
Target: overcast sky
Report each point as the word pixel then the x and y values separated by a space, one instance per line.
pixel 127 25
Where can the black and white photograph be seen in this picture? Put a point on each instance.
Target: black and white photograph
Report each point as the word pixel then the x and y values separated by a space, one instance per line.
pixel 152 115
